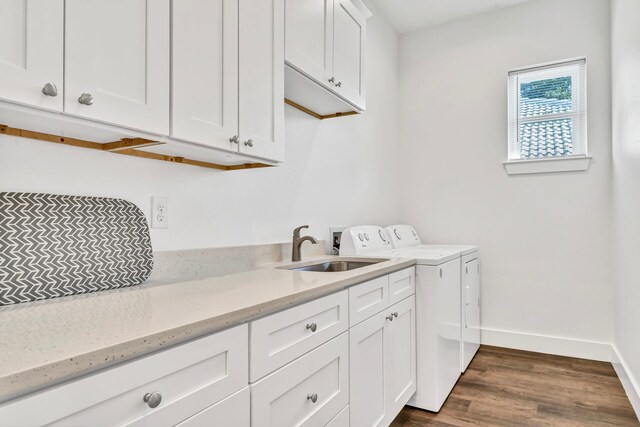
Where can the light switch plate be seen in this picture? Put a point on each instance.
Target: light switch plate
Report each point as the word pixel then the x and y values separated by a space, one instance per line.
pixel 159 212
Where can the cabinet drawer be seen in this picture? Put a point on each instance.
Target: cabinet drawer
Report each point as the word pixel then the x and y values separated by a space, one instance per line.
pixel 368 299
pixel 340 420
pixel 190 377
pixel 402 284
pixel 232 411
pixel 282 337
pixel 285 398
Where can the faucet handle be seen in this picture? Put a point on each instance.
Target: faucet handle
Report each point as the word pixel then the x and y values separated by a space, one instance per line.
pixel 296 231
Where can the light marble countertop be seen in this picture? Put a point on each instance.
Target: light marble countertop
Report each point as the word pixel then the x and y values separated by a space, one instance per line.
pixel 47 342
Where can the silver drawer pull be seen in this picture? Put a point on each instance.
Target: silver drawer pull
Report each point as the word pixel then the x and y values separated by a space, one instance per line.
pixel 312 397
pixel 86 99
pixel 153 399
pixel 312 326
pixel 50 89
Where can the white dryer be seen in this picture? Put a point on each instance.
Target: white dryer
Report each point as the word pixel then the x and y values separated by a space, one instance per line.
pixel 438 309
pixel 405 236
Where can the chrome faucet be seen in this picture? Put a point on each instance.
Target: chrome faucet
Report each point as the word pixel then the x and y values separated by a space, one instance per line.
pixel 298 241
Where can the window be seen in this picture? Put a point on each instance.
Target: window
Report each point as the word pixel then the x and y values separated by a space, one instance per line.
pixel 547 113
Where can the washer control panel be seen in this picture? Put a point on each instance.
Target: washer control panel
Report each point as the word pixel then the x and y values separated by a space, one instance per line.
pixel 402 236
pixel 364 239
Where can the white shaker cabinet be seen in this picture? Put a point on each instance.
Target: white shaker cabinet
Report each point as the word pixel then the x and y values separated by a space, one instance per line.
pixel 31 52
pixel 205 72
pixel 309 37
pixel 117 62
pixel 228 75
pixel 400 368
pixel 382 365
pixel 261 81
pixel 367 343
pixel 310 391
pixel 325 41
pixel 349 29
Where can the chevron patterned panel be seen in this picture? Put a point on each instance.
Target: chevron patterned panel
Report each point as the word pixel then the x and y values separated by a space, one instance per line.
pixel 53 246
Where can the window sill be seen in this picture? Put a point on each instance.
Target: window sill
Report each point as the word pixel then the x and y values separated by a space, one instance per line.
pixel 561 164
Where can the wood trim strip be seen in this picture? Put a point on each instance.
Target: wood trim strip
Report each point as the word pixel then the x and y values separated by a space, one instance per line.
pixel 126 143
pixel 125 147
pixel 316 115
pixel 56 139
pixel 303 109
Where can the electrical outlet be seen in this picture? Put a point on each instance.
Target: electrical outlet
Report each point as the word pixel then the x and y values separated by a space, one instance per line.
pixel 335 235
pixel 159 212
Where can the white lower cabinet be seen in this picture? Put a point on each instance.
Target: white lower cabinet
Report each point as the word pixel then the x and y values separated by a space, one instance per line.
pixel 382 366
pixel 232 411
pixel 309 391
pixel 185 379
pixel 307 369
pixel 282 337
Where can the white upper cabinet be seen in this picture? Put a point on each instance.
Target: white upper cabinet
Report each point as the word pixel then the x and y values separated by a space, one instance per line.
pixel 117 62
pixel 261 82
pixel 31 52
pixel 309 37
pixel 325 42
pixel 205 72
pixel 349 29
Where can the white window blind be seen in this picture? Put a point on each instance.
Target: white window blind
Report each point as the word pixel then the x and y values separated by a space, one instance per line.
pixel 547 111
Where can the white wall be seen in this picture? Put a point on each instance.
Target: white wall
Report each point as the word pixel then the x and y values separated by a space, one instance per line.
pixel 625 45
pixel 337 172
pixel 545 239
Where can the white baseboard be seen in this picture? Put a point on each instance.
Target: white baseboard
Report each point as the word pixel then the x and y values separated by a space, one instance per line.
pixel 582 349
pixel 629 383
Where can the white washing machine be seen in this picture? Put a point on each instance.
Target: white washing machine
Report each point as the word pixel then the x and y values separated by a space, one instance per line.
pixel 405 236
pixel 438 306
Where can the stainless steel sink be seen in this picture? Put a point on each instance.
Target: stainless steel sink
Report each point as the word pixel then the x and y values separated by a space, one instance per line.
pixel 334 266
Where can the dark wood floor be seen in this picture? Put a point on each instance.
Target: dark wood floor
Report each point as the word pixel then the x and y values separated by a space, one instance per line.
pixel 504 387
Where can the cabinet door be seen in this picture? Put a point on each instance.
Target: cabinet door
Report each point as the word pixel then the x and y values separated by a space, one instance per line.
pixel 400 362
pixel 309 38
pixel 232 411
pixel 470 311
pixel 205 72
pixel 349 33
pixel 31 52
pixel 367 343
pixel 117 54
pixel 261 84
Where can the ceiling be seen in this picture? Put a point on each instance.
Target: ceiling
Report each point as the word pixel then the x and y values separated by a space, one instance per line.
pixel 410 15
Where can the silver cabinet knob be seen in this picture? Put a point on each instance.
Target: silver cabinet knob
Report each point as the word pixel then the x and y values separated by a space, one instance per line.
pixel 312 327
pixel 395 314
pixel 390 317
pixel 235 139
pixel 248 143
pixel 50 89
pixel 339 84
pixel 153 399
pixel 332 80
pixel 86 99
pixel 312 397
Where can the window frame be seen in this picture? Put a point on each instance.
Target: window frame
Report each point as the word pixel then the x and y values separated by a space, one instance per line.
pixel 579 160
